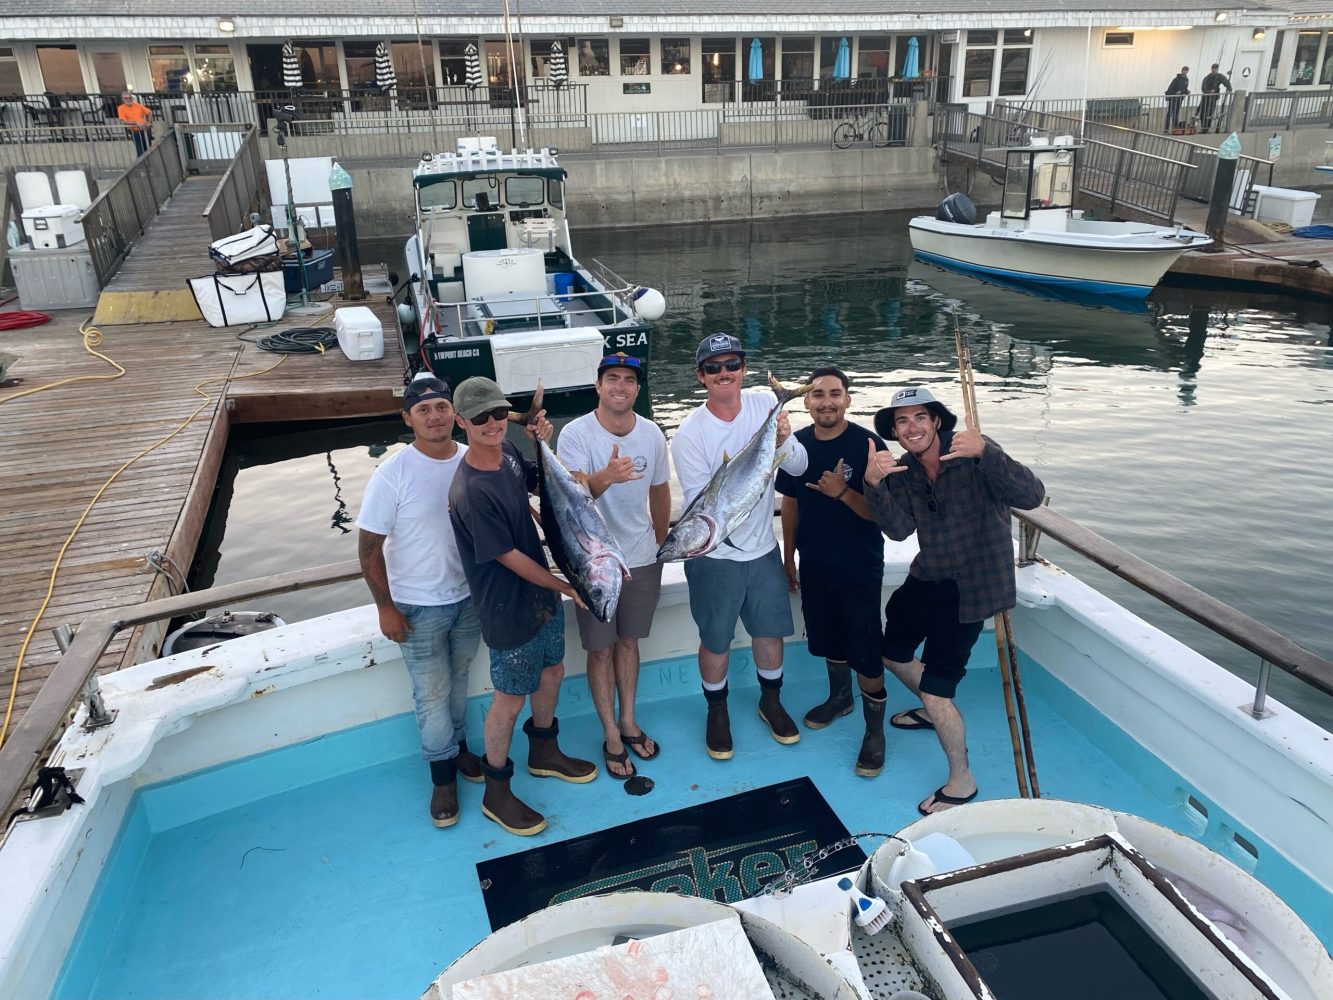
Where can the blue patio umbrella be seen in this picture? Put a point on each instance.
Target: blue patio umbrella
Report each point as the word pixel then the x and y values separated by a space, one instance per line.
pixel 756 67
pixel 842 65
pixel 912 64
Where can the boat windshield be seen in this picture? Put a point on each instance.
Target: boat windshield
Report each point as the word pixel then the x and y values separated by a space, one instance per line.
pixel 441 195
pixel 1037 179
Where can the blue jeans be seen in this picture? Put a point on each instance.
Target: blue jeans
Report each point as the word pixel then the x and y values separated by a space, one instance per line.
pixel 438 651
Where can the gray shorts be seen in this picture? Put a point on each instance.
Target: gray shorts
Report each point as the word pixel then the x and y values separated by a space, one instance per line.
pixel 634 614
pixel 722 590
pixel 519 670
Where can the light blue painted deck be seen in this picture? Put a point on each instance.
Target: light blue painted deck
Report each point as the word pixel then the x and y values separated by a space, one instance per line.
pixel 315 871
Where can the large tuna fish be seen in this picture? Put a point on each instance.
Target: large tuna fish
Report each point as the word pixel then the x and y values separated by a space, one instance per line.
pixel 580 542
pixel 736 488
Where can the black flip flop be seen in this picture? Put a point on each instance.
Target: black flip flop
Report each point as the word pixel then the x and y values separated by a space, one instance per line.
pixel 618 758
pixel 938 797
pixel 635 742
pixel 919 721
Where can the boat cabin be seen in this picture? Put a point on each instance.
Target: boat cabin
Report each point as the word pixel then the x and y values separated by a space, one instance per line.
pixel 1039 184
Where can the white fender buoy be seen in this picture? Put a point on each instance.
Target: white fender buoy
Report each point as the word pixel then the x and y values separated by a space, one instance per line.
pixel 649 303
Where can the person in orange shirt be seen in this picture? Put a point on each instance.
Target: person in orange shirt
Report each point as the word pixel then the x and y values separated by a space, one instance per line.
pixel 138 120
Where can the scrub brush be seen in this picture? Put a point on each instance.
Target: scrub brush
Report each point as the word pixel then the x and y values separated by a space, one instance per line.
pixel 872 913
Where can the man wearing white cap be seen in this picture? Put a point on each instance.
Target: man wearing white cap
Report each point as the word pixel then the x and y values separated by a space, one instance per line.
pixel 955 490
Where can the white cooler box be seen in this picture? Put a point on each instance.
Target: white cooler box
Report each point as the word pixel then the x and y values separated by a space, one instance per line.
pixel 360 334
pixel 54 227
pixel 560 359
pixel 1275 204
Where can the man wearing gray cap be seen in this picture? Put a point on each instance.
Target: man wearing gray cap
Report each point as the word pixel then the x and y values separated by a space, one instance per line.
pixel 410 562
pixel 518 601
pixel 742 579
pixel 955 490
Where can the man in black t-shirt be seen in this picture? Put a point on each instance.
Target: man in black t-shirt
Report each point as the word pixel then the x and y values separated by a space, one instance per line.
pixel 515 595
pixel 825 518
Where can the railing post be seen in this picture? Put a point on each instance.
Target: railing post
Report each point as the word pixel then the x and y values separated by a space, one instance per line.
pixel 1258 709
pixel 1115 182
pixel 1292 102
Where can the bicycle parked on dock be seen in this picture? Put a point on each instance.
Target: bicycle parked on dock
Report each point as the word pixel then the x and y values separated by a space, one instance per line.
pixel 870 126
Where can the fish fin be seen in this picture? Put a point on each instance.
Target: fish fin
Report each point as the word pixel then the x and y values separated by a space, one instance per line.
pixel 728 541
pixel 784 394
pixel 725 458
pixel 527 418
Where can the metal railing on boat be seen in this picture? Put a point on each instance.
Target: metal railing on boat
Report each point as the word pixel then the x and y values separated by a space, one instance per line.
pixel 73 675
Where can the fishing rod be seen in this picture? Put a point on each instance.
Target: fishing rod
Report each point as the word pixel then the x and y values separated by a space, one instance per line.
pixel 1005 651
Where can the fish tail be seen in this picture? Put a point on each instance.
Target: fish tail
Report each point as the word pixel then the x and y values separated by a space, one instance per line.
pixel 784 394
pixel 526 418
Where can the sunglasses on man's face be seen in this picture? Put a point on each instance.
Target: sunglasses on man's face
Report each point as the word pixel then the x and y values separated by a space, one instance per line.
pixel 714 367
pixel 621 361
pixel 481 419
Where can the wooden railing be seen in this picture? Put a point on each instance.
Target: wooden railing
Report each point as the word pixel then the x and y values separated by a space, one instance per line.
pixel 121 214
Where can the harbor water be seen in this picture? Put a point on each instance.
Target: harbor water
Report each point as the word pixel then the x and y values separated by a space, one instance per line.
pixel 1191 433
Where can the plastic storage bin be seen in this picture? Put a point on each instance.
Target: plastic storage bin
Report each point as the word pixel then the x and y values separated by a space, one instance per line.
pixel 318 270
pixel 360 334
pixel 556 358
pixel 53 227
pixel 563 283
pixel 55 279
pixel 1275 204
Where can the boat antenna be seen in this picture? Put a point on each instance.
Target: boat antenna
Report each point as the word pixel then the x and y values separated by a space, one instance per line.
pixel 1004 629
pixel 514 70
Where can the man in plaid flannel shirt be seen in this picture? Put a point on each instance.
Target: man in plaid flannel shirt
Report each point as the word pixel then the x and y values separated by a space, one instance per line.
pixel 955 490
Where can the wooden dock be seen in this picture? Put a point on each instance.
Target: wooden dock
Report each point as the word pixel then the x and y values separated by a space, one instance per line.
pixel 60 445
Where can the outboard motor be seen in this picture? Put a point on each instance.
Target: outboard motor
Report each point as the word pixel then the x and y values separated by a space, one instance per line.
pixel 957 208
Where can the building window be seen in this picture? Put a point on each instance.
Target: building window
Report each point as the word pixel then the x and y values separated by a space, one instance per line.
pixel 214 69
pixel 411 63
pixel 594 57
pixel 319 63
pixel 798 63
pixel 1014 51
pixel 360 59
pixel 1326 69
pixel 61 73
pixel 978 65
pixel 169 68
pixel 453 61
pixel 1303 63
pixel 1118 40
pixel 719 55
pixel 828 55
pixel 635 59
pixel 676 56
pixel 872 63
pixel 11 83
pixel 108 70
pixel 541 55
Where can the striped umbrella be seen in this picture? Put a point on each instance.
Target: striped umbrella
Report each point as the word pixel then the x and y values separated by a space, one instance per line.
pixel 472 64
pixel 557 69
pixel 291 68
pixel 385 78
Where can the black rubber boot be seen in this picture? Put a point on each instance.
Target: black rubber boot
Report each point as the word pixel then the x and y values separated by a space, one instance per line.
pixel 839 697
pixel 545 759
pixel 870 761
pixel 717 731
pixel 504 807
pixel 444 799
pixel 779 723
pixel 469 764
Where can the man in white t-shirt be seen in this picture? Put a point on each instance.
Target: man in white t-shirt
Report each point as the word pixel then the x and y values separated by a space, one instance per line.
pixel 411 565
pixel 624 461
pixel 742 579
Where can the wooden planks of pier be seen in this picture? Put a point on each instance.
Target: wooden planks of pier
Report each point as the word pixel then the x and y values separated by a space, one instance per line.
pixel 58 446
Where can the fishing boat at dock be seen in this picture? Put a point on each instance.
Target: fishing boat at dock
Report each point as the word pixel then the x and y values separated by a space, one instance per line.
pixel 493 287
pixel 1038 237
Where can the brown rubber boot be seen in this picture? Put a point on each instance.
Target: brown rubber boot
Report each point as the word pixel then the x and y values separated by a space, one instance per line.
pixel 779 723
pixel 469 764
pixel 839 697
pixel 504 807
pixel 444 799
pixel 546 760
pixel 870 761
pixel 717 730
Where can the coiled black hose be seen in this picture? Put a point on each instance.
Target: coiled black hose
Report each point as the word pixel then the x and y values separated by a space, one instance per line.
pixel 297 340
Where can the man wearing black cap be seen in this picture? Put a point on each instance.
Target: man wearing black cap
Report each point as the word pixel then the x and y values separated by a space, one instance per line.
pixel 624 460
pixel 742 579
pixel 955 490
pixel 518 601
pixel 410 562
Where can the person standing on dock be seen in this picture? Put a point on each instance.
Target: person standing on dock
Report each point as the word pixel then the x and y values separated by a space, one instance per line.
pixel 518 601
pixel 624 460
pixel 742 579
pixel 1176 92
pixel 1211 88
pixel 955 490
pixel 841 577
pixel 410 562
pixel 138 121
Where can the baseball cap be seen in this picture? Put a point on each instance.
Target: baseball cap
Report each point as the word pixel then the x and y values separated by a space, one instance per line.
pixel 715 344
pixel 621 360
pixel 476 395
pixel 913 395
pixel 425 387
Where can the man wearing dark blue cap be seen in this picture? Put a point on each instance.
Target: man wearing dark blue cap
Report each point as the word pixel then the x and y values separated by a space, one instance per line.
pixel 410 562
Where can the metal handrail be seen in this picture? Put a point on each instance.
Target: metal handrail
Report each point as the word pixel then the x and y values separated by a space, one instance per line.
pixel 620 294
pixel 228 209
pixel 33 733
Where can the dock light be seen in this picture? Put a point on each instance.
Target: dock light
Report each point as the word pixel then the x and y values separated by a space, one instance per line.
pixel 1258 34
pixel 227 24
pixel 1220 16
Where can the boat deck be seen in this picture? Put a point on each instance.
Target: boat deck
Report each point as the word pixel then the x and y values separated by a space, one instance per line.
pixel 61 445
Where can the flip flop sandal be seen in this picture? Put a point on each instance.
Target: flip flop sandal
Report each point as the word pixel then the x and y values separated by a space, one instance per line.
pixel 636 743
pixel 618 758
pixel 939 798
pixel 919 721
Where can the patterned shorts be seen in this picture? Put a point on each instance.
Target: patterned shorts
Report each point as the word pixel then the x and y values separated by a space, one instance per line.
pixel 519 670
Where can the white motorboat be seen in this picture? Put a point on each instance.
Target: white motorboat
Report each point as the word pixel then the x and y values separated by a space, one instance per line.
pixel 1038 236
pixel 493 287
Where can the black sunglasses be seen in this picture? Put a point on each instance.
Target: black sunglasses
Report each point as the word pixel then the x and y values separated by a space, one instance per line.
pixel 481 419
pixel 619 360
pixel 933 503
pixel 713 367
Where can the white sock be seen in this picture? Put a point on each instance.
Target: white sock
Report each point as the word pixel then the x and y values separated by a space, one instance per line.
pixel 715 685
pixel 769 675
